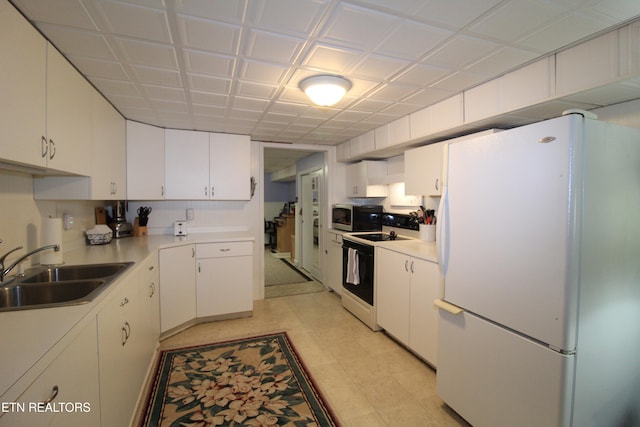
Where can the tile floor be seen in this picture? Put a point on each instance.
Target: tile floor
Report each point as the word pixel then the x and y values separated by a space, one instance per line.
pixel 367 378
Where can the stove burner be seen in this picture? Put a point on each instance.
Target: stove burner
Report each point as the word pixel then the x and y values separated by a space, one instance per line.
pixel 378 237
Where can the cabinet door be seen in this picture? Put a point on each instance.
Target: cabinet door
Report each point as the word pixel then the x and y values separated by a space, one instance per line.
pixel 230 167
pixel 108 172
pixel 23 90
pixel 177 286
pixel 119 352
pixel 145 162
pixel 393 293
pixel 225 285
pixel 149 297
pixel 334 259
pixel 423 330
pixel 423 170
pixel 75 375
pixel 186 164
pixel 68 116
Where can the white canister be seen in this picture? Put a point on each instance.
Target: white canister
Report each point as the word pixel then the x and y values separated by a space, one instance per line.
pixel 428 232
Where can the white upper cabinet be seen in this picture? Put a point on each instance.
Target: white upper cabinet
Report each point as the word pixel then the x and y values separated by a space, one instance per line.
pixel 207 166
pixel 230 167
pixel 145 162
pixel 109 157
pixel 359 176
pixel 22 90
pixel 68 116
pixel 186 164
pixel 423 170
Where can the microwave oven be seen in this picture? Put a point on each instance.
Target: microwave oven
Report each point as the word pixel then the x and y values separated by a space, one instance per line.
pixel 356 217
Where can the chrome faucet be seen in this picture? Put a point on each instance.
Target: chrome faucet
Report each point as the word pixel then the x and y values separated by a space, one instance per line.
pixel 5 271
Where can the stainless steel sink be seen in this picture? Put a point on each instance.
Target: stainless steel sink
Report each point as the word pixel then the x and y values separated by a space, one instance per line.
pixel 59 286
pixel 75 272
pixel 47 294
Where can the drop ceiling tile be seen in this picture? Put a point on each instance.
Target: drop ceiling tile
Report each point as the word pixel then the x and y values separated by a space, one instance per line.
pixel 279 118
pixel 247 115
pixel 157 76
pixel 262 72
pixel 516 19
pixel 422 75
pixel 401 42
pixel 79 43
pixel 461 51
pixel 352 115
pixel 289 107
pixel 254 104
pixel 255 90
pixel 393 92
pixel 618 10
pixel 160 93
pixel 500 61
pixel 359 27
pixel 372 105
pixel 208 35
pixel 378 67
pixel 202 112
pixel 453 13
pixel 429 96
pixel 135 20
pixel 164 106
pixel 208 63
pixel 296 17
pixel 560 33
pixel 69 13
pixel 208 84
pixel 401 6
pixel 93 68
pixel 272 47
pixel 331 59
pixel 458 79
pixel 399 109
pixel 227 10
pixel 208 98
pixel 147 53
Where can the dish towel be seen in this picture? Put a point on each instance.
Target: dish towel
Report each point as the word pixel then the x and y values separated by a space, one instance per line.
pixel 353 269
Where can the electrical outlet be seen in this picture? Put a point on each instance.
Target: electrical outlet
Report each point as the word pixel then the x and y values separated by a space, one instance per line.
pixel 190 214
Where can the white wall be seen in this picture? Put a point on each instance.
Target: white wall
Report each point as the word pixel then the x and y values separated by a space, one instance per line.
pixel 21 215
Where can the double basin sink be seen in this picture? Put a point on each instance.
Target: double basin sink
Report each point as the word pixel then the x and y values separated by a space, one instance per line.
pixel 59 286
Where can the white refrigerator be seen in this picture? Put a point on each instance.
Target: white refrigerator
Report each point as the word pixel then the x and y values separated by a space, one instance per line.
pixel 539 244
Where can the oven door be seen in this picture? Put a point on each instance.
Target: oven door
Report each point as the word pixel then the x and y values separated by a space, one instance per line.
pixel 363 290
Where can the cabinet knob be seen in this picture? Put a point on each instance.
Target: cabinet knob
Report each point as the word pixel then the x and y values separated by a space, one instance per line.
pixel 124 302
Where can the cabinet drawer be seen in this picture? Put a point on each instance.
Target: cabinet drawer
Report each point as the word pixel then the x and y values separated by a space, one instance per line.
pixel 216 250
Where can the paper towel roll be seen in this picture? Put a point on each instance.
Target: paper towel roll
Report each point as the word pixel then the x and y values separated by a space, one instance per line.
pixel 51 235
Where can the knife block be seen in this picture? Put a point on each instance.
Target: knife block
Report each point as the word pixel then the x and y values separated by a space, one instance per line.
pixel 139 230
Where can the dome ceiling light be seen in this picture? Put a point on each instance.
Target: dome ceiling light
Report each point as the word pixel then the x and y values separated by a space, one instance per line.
pixel 325 90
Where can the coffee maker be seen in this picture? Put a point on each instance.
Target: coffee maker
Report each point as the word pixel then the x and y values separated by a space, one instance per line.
pixel 118 223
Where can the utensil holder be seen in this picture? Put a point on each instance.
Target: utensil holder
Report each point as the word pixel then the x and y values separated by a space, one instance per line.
pixel 428 232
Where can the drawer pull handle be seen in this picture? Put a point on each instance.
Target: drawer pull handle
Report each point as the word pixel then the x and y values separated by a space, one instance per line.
pixel 225 250
pixel 54 394
pixel 126 333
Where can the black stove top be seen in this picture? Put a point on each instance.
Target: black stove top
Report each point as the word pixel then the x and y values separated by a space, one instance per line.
pixel 378 237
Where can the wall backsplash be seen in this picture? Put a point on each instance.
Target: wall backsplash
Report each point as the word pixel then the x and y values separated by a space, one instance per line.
pixel 21 218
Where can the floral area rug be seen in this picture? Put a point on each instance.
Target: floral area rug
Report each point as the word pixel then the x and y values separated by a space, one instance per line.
pixel 258 381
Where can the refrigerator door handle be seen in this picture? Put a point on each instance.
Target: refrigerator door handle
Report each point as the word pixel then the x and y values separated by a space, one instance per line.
pixel 449 308
pixel 441 224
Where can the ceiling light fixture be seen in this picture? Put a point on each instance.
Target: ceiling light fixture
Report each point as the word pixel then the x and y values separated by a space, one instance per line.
pixel 325 90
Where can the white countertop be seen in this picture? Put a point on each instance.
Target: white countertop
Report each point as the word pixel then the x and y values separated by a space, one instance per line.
pixel 29 334
pixel 409 245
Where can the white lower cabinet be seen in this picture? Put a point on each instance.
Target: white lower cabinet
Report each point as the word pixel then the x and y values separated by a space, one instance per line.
pixel 406 288
pixel 70 383
pixel 224 279
pixel 177 286
pixel 125 349
pixel 333 274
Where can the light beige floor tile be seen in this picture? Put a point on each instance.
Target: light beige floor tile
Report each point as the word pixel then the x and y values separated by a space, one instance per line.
pixel 366 377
